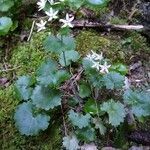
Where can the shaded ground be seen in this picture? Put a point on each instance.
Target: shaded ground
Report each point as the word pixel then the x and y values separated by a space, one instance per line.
pixel 128 47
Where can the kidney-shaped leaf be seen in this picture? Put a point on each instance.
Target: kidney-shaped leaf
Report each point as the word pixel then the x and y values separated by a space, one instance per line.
pixel 46 98
pixel 27 123
pixel 79 120
pixel 58 44
pixel 115 110
pixel 67 57
pixel 71 143
pixel 5 25
pixel 24 90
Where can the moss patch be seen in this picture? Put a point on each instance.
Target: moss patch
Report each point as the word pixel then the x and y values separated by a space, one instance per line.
pixel 118 48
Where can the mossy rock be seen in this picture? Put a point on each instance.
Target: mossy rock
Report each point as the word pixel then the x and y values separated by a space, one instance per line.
pixel 115 47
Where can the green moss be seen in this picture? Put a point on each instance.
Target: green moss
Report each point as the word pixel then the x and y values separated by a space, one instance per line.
pixel 90 40
pixel 114 46
pixel 28 56
pixel 117 20
pixel 87 41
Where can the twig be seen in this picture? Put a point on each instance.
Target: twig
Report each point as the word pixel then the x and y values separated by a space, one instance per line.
pixel 64 123
pixel 86 23
pixel 31 31
pixel 11 69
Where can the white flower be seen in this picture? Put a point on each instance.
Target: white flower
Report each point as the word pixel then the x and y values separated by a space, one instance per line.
pixel 52 14
pixel 41 4
pixel 41 25
pixel 96 65
pixel 67 21
pixel 104 68
pixel 89 57
pixel 97 56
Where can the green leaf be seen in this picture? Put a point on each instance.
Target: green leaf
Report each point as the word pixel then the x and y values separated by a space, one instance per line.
pixel 71 143
pixel 46 98
pixel 47 67
pixel 138 101
pixel 86 134
pixel 67 57
pixel 115 110
pixel 90 107
pixel 5 5
pixel 99 125
pixel 24 90
pixel 79 120
pixel 27 123
pixel 113 80
pixel 48 74
pixel 59 44
pixel 53 79
pixel 96 2
pixel 120 68
pixel 5 25
pixel 84 90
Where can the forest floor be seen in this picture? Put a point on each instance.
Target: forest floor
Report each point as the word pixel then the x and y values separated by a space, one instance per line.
pixel 21 57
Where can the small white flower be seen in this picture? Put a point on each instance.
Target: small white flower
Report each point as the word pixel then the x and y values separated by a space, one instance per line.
pixel 97 56
pixel 41 4
pixel 41 25
pixel 104 68
pixel 52 14
pixel 96 65
pixel 67 21
pixel 89 57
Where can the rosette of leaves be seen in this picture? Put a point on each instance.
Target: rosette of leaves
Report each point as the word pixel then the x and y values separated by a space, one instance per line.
pixel 40 94
pixel 27 122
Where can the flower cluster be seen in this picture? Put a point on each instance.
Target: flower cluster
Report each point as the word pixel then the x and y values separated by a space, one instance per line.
pixel 53 14
pixel 98 62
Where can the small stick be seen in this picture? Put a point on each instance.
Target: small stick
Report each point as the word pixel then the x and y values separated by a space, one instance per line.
pixel 31 31
pixel 11 69
pixel 64 123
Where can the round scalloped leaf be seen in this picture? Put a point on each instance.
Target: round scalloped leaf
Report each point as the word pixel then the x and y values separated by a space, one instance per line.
pixel 113 80
pixel 115 110
pixel 71 143
pixel 59 44
pixel 23 88
pixel 84 90
pixel 67 57
pixel 5 25
pixel 79 120
pixel 27 123
pixel 86 134
pixel 46 98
